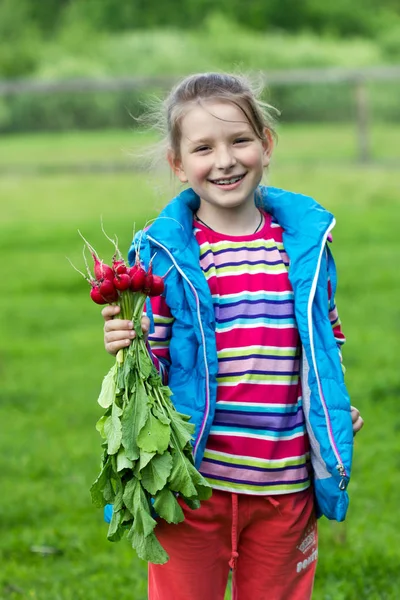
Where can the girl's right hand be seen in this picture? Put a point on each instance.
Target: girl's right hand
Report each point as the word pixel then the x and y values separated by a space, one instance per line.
pixel 119 333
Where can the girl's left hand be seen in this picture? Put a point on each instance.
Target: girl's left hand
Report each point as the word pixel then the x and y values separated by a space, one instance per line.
pixel 356 419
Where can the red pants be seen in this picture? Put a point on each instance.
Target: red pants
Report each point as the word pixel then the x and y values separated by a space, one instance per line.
pixel 269 542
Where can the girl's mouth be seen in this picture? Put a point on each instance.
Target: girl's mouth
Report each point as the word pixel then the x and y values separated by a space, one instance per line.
pixel 228 183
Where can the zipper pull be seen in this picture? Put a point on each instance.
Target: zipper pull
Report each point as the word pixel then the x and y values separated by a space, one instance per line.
pixel 344 480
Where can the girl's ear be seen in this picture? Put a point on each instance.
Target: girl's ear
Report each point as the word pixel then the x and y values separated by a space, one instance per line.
pixel 176 165
pixel 268 146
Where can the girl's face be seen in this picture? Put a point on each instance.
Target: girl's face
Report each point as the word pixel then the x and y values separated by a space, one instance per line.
pixel 221 157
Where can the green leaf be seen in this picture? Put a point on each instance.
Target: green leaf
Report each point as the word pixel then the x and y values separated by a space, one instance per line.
pixel 117 410
pixel 100 425
pixel 166 391
pixel 146 365
pixel 119 495
pixel 167 506
pixel 156 472
pixel 203 488
pixel 143 522
pixel 129 494
pixel 128 371
pixel 149 548
pixel 123 462
pixel 108 491
pixel 183 431
pixel 115 531
pixel 108 388
pixel 145 457
pixel 113 432
pixel 98 486
pixel 133 420
pixel 184 417
pixel 154 435
pixel 160 415
pixel 192 502
pixel 180 478
pixel 120 381
pixel 127 517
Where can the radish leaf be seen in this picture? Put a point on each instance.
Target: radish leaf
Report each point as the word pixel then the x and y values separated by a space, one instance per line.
pixel 156 472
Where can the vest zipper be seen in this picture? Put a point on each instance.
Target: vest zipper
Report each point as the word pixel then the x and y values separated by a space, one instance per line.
pixel 340 467
pixel 207 411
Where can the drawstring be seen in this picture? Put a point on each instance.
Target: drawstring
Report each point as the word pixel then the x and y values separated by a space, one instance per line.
pixel 234 531
pixel 234 534
pixel 274 503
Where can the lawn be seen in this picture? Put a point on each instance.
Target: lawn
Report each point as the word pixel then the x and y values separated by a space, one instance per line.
pixel 298 143
pixel 53 541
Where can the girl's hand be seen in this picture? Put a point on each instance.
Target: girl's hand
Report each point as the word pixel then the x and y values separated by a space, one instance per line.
pixel 356 419
pixel 119 333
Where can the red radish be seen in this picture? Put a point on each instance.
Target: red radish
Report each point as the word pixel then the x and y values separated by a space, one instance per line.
pixel 138 276
pixel 96 296
pixel 157 286
pixel 120 267
pixel 148 282
pixel 101 270
pixel 108 291
pixel 122 282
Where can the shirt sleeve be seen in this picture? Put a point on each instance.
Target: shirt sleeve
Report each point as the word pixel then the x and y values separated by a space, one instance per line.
pixel 336 324
pixel 158 341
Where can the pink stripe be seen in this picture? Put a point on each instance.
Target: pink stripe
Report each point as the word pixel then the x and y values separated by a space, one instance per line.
pixel 265 364
pixel 259 393
pixel 265 475
pixel 252 282
pixel 258 448
pixel 286 337
pixel 238 256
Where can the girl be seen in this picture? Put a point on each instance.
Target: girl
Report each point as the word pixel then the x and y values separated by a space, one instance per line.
pixel 248 338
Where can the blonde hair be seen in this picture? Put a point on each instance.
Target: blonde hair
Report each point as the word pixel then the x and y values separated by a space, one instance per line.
pixel 202 87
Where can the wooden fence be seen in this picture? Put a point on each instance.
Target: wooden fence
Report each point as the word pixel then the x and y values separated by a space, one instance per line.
pixel 357 78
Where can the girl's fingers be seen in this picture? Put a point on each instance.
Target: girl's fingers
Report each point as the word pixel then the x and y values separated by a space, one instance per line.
pixel 115 340
pixel 145 324
pixel 117 325
pixel 356 419
pixel 117 336
pixel 110 311
pixel 359 424
pixel 119 333
pixel 355 413
pixel 113 347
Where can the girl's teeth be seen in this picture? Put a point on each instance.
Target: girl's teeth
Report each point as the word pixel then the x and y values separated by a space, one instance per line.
pixel 227 181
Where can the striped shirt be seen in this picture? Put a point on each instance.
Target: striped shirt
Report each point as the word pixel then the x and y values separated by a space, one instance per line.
pixel 258 442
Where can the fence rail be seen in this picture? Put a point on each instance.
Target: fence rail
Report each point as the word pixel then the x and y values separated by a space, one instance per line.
pixel 357 78
pixel 289 77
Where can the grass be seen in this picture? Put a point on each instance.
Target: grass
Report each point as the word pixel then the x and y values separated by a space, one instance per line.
pixel 52 363
pixel 299 143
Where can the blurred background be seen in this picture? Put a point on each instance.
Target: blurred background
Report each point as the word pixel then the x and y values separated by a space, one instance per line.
pixel 74 77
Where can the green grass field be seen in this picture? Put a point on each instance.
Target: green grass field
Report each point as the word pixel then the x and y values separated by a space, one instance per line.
pixel 299 143
pixel 52 361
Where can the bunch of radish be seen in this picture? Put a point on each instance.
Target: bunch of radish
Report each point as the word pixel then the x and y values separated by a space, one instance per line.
pixel 109 281
pixel 147 457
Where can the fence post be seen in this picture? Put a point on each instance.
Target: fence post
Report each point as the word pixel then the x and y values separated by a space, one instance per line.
pixel 362 121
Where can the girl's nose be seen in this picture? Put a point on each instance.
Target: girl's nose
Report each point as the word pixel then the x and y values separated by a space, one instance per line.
pixel 224 158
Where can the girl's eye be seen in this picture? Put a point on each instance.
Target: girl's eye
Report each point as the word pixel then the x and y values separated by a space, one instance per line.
pixel 242 140
pixel 202 148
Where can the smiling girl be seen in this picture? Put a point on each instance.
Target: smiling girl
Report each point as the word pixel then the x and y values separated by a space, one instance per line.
pixel 248 338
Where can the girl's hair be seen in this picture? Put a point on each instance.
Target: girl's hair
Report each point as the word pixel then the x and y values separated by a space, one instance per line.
pixel 198 88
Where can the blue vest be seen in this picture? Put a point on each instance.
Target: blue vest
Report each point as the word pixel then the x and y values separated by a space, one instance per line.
pixel 193 369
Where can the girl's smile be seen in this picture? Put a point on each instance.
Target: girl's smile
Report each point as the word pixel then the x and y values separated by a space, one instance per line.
pixel 229 183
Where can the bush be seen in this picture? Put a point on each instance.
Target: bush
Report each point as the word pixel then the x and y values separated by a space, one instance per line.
pixel 19 40
pixel 219 45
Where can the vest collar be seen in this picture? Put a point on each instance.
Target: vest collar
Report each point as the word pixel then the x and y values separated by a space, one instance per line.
pixel 174 226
